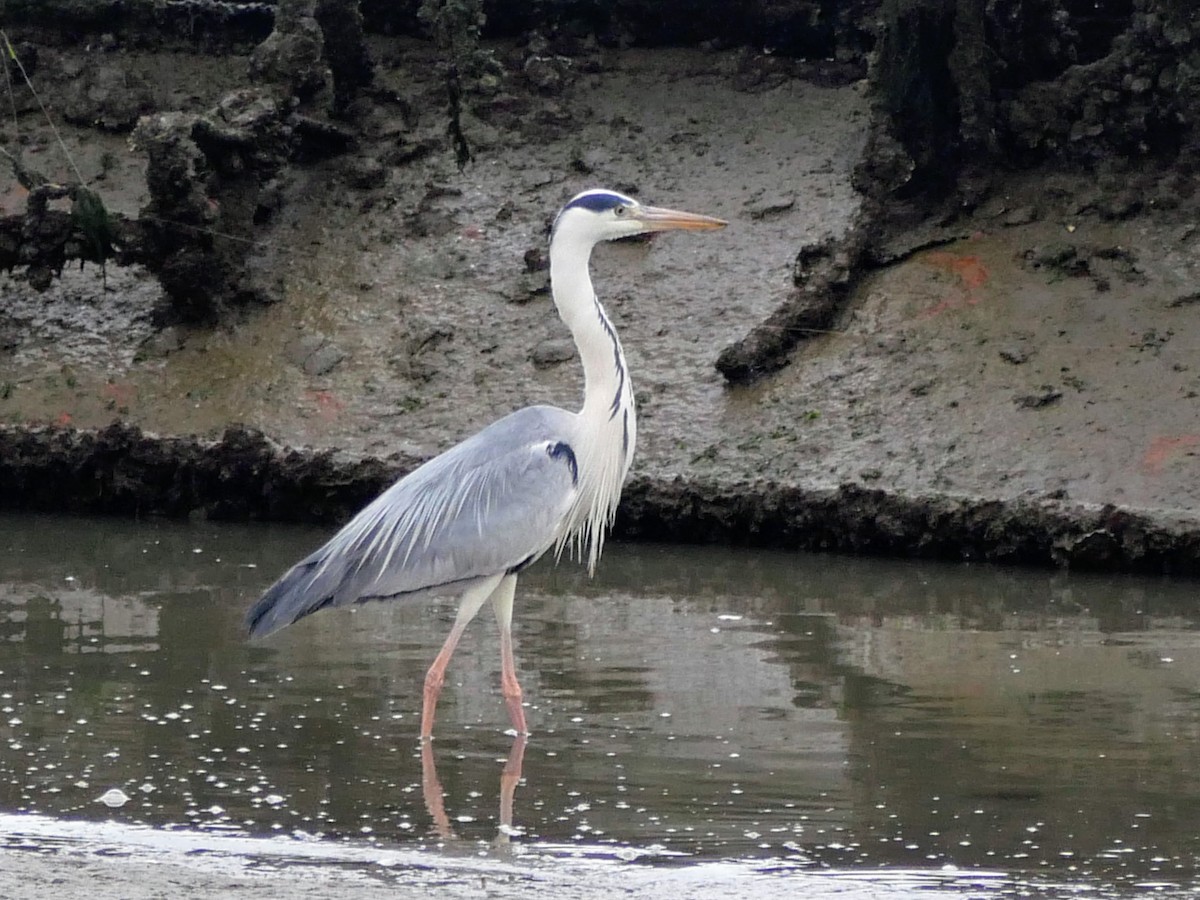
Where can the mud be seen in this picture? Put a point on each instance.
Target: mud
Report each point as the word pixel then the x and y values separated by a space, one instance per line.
pixel 121 471
pixel 892 350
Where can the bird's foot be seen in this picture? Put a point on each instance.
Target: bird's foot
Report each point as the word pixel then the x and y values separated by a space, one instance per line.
pixel 516 715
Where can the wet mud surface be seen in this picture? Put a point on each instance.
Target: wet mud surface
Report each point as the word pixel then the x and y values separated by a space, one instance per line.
pixel 1024 391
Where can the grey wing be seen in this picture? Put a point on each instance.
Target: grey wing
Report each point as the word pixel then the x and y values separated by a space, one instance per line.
pixel 488 505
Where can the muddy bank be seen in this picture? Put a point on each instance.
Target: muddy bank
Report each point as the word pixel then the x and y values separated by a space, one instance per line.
pixel 902 345
pixel 964 96
pixel 244 476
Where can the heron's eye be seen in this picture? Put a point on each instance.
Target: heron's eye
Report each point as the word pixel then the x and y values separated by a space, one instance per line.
pixel 619 211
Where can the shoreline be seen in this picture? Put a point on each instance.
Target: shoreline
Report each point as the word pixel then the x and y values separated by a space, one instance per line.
pixel 244 476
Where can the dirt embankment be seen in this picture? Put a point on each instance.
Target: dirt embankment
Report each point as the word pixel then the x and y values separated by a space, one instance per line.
pixel 954 316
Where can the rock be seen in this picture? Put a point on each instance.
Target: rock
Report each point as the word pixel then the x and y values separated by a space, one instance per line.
pixel 481 134
pixel 1060 257
pixel 586 162
pixel 533 284
pixel 547 74
pixel 206 170
pixel 314 354
pixel 551 352
pixel 1022 215
pixel 1014 355
pixel 536 260
pixel 415 359
pixel 1053 255
pixel 270 201
pixel 319 138
pixel 489 84
pixel 1176 33
pixel 1117 260
pixel 345 51
pixel 771 206
pixel 365 172
pixel 1120 206
pixel 106 97
pixel 323 360
pixel 1044 397
pixel 163 343
pixel 292 56
pixel 300 349
pixel 1092 548
pixel 885 166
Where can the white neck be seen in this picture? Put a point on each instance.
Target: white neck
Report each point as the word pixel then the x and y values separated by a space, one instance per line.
pixel 608 421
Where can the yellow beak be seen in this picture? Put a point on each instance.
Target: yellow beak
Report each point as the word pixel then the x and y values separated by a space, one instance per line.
pixel 657 219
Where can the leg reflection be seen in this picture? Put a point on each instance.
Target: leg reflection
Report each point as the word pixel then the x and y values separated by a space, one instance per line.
pixel 435 800
pixel 508 787
pixel 431 790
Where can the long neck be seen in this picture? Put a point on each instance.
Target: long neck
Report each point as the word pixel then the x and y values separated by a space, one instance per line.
pixel 606 378
pixel 608 421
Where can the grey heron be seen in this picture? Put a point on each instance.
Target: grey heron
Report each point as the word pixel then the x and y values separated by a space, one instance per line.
pixel 469 520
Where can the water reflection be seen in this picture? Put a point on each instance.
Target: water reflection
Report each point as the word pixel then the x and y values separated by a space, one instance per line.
pixel 435 795
pixel 818 710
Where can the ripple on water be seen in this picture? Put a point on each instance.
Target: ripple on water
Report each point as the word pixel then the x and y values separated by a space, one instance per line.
pixel 859 725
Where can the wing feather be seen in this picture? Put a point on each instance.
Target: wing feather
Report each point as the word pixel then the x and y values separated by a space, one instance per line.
pixel 487 505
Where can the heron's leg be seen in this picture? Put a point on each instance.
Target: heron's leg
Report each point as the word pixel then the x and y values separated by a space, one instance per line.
pixel 472 599
pixel 502 602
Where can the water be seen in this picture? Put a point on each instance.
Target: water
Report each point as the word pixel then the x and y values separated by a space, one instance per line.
pixel 703 720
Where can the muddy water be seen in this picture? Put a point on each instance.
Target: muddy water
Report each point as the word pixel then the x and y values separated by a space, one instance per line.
pixel 703 721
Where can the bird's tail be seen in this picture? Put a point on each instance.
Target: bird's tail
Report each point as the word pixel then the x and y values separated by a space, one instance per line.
pixel 308 586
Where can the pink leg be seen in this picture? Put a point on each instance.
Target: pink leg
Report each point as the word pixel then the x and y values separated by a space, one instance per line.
pixel 502 602
pixel 435 678
pixel 472 600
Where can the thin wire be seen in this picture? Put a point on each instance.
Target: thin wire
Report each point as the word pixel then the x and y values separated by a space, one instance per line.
pixel 211 232
pixel 45 112
pixel 12 54
pixel 12 102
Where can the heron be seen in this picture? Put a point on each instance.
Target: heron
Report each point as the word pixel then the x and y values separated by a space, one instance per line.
pixel 471 519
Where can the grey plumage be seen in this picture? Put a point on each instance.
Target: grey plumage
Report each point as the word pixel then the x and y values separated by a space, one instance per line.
pixel 491 504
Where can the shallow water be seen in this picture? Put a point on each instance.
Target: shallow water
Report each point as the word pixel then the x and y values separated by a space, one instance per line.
pixel 699 716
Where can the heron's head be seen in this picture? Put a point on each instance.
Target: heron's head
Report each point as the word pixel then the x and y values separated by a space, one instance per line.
pixel 600 215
